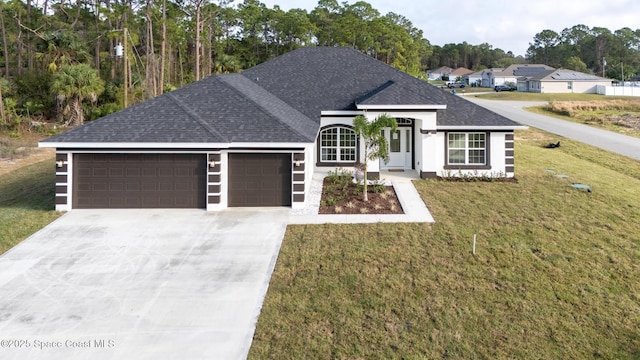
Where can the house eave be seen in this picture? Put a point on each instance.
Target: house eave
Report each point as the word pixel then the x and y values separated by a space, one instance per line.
pixel 170 145
pixel 489 128
pixel 341 113
pixel 401 107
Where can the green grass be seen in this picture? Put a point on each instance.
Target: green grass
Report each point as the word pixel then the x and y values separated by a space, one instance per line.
pixel 27 198
pixel 556 274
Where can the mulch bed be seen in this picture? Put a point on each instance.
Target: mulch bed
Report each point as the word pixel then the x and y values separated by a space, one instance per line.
pixel 349 200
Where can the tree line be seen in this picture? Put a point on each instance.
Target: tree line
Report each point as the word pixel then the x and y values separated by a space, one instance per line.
pixel 595 50
pixel 60 64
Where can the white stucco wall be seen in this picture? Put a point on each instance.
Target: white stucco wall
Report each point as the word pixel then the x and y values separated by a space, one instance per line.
pixel 496 152
pixel 429 147
pixel 578 87
pixel 423 120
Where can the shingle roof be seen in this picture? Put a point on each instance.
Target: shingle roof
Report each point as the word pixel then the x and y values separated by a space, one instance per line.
pixel 522 70
pixel 314 79
pixel 567 75
pixel 441 70
pixel 280 100
pixel 212 110
pixel 461 71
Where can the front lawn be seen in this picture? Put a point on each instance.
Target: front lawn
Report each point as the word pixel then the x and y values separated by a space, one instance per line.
pixel 556 273
pixel 27 198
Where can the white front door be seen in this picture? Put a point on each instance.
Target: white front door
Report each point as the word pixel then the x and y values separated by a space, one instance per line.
pixel 399 149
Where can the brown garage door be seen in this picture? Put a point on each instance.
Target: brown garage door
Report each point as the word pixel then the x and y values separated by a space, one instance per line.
pixel 259 179
pixel 139 181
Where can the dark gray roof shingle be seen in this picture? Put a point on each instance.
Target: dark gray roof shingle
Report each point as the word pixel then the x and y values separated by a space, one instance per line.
pixel 314 79
pixel 280 100
pixel 294 119
pixel 206 111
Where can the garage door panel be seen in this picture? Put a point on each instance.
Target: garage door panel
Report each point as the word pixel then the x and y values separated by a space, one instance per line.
pixel 182 172
pixel 149 187
pixel 116 186
pixel 134 181
pixel 259 179
pixel 100 171
pixel 99 187
pixel 149 172
pixel 132 172
pixel 116 172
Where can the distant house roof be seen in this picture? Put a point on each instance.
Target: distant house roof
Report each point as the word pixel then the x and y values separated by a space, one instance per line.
pixel 491 70
pixel 517 70
pixel 441 70
pixel 567 75
pixel 461 71
pixel 280 100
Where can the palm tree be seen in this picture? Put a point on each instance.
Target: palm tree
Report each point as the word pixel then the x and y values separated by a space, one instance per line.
pixel 375 143
pixel 74 84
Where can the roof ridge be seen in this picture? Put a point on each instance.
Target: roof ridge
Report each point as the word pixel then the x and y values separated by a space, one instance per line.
pixel 382 87
pixel 196 117
pixel 272 105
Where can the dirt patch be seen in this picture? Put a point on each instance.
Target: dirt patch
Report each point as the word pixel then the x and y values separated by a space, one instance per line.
pixel 34 156
pixel 19 152
pixel 631 121
pixel 345 197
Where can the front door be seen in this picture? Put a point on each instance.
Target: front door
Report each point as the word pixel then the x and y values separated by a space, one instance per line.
pixel 399 149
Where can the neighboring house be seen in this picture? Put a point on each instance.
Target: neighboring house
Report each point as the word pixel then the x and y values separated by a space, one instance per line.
pixel 563 81
pixel 473 78
pixel 460 72
pixel 256 138
pixel 487 76
pixel 511 74
pixel 438 73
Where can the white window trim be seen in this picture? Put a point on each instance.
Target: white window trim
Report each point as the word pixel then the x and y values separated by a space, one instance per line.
pixel 338 147
pixel 467 149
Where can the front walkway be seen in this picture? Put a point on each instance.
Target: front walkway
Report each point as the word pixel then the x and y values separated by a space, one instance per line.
pixel 414 208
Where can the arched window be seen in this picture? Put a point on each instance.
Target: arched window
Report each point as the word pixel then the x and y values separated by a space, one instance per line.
pixel 338 144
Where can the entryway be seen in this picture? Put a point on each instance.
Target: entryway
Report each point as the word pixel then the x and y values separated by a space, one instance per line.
pixel 400 149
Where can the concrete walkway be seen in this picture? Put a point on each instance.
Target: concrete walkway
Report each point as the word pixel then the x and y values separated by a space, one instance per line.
pixel 414 208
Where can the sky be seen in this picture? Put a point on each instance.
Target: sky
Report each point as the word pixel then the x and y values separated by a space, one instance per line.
pixel 509 25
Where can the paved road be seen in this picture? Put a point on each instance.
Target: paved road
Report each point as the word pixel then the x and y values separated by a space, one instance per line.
pixel 621 144
pixel 139 284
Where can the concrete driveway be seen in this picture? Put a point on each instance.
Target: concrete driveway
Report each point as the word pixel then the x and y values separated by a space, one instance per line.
pixel 139 284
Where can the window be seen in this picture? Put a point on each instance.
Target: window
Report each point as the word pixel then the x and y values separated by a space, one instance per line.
pixel 467 149
pixel 337 144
